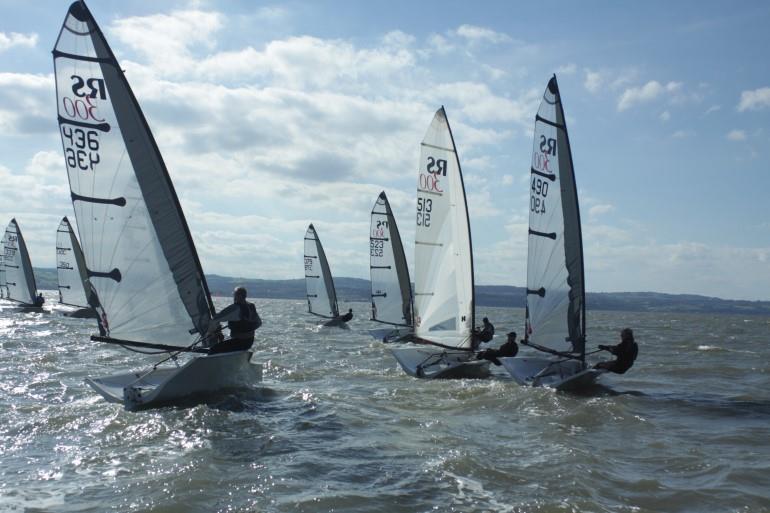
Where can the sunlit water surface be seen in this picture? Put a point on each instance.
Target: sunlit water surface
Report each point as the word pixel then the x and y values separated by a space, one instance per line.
pixel 337 426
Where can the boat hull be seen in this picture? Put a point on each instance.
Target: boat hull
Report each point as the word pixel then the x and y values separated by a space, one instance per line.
pixel 74 311
pixel 210 373
pixel 432 363
pixel 391 334
pixel 558 374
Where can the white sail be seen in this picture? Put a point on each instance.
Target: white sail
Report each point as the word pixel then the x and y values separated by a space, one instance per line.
pixel 321 296
pixel 391 289
pixel 70 267
pixel 20 280
pixel 443 259
pixel 2 268
pixel 555 282
pixel 138 250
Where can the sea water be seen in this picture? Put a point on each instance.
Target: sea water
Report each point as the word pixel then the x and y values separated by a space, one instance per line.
pixel 336 425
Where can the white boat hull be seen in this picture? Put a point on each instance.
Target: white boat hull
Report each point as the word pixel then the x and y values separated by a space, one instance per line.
pixel 391 334
pixel 558 374
pixel 137 390
pixel 436 363
pixel 73 311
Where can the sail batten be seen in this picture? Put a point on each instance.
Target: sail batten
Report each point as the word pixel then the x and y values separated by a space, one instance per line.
pixel 555 314
pixel 135 238
pixel 389 274
pixel 321 296
pixel 444 298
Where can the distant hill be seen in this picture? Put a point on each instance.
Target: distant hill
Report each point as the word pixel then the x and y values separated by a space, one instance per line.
pixel 356 289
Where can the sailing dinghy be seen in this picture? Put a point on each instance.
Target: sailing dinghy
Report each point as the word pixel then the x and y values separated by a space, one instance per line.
pixel 149 289
pixel 3 285
pixel 443 266
pixel 19 278
pixel 71 275
pixel 391 288
pixel 555 313
pixel 319 285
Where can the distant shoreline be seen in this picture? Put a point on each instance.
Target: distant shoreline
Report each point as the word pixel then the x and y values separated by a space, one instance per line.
pixel 357 289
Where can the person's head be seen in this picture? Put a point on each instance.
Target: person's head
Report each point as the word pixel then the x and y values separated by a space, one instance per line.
pixel 239 294
pixel 350 310
pixel 485 320
pixel 626 334
pixel 512 336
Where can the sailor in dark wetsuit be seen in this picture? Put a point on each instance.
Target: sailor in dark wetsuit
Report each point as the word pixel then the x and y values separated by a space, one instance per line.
pixel 242 319
pixel 508 349
pixel 485 334
pixel 625 352
pixel 39 299
pixel 340 319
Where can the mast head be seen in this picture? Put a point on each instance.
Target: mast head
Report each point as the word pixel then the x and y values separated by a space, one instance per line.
pixel 79 11
pixel 553 86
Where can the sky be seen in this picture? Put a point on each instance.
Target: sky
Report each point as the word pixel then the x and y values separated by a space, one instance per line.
pixel 270 116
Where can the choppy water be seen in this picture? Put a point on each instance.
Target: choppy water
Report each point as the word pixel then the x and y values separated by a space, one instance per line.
pixel 337 426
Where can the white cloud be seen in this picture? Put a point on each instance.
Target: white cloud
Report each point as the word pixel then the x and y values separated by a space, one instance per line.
pixel 712 109
pixel 507 180
pixel 13 39
pixel 26 104
pixel 736 135
pixel 599 210
pixel 648 92
pixel 567 69
pixel 754 100
pixel 475 33
pixel 665 116
pixel 682 134
pixel 166 40
pixel 593 81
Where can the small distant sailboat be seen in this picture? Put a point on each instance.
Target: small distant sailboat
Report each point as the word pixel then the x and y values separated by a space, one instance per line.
pixel 19 278
pixel 71 275
pixel 149 289
pixel 391 288
pixel 321 296
pixel 443 257
pixel 3 285
pixel 555 313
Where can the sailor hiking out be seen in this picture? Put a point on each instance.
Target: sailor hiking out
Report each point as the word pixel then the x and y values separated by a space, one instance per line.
pixel 626 353
pixel 242 320
pixel 340 319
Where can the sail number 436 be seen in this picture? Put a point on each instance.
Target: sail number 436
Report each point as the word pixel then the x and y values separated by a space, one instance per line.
pixel 539 191
pixel 424 208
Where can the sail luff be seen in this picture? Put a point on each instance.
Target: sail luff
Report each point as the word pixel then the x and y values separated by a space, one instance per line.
pixel 70 267
pixel 131 225
pixel 327 277
pixel 391 294
pixel 468 221
pixel 157 190
pixel 402 268
pixel 576 260
pixel 23 287
pixel 319 285
pixel 443 296
pixel 555 315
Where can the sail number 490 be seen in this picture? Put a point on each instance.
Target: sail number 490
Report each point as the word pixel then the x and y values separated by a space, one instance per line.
pixel 424 208
pixel 537 197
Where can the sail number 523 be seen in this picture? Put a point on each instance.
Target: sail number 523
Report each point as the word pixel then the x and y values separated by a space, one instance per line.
pixel 424 208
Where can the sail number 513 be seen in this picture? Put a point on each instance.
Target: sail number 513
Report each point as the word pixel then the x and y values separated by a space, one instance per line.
pixel 424 208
